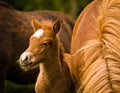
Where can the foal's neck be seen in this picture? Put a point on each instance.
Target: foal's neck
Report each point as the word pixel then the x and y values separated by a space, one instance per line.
pixel 50 67
pixel 50 73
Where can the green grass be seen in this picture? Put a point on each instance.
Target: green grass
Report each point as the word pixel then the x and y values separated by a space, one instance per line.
pixel 16 88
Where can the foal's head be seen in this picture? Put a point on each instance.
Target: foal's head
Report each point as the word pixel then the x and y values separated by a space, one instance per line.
pixel 43 44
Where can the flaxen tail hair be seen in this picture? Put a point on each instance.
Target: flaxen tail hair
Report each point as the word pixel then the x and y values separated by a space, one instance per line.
pixel 100 58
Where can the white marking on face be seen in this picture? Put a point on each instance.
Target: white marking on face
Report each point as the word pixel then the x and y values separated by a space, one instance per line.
pixel 38 33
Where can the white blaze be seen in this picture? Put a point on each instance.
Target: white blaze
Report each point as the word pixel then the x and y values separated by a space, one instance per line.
pixel 38 33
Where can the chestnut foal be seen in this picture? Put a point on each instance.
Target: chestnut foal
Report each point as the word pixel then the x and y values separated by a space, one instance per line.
pixel 46 51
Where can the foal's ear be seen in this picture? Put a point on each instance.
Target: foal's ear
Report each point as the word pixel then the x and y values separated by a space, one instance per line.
pixel 56 26
pixel 36 24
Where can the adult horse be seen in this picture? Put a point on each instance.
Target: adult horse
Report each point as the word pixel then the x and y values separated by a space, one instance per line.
pixel 95 48
pixel 15 30
pixel 45 50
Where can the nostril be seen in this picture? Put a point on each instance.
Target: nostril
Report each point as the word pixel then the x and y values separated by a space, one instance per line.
pixel 26 58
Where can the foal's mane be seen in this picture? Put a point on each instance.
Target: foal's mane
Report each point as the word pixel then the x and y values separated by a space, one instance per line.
pixel 46 24
pixel 100 58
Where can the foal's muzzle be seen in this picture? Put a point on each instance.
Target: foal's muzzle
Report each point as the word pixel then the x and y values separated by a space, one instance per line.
pixel 25 59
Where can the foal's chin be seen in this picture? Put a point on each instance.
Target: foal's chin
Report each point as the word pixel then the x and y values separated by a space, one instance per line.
pixel 31 66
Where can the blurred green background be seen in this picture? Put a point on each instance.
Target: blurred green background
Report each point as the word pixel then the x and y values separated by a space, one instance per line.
pixel 71 7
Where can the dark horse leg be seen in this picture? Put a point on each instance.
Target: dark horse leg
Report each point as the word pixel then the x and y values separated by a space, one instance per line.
pixel 3 71
pixel 5 57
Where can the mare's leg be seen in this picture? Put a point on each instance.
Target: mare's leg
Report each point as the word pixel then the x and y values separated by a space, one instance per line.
pixel 3 72
pixel 4 64
pixel 6 54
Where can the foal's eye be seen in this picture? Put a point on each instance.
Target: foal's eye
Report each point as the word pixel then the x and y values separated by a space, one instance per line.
pixel 45 44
